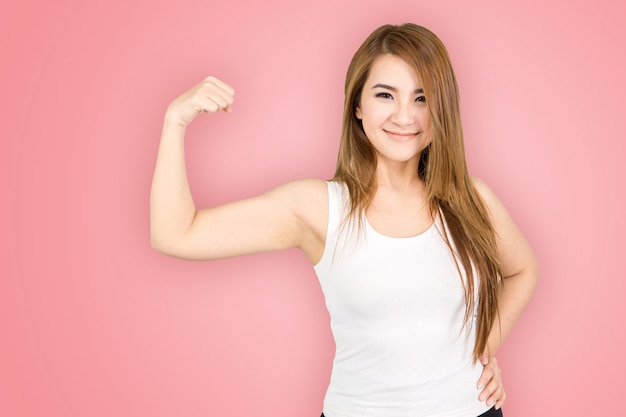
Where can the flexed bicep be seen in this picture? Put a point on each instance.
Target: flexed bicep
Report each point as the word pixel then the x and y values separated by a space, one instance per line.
pixel 292 215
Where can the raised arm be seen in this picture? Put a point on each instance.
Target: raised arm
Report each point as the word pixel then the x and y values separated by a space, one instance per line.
pixel 292 215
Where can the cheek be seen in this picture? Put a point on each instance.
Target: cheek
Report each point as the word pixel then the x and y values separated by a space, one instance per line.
pixel 372 115
pixel 367 129
pixel 425 122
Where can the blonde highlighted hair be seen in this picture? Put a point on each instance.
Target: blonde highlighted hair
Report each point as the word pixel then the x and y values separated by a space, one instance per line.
pixel 448 186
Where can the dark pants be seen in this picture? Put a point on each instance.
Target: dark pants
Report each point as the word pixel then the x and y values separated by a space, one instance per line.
pixel 489 413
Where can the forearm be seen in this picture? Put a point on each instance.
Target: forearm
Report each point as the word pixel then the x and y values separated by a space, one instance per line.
pixel 517 290
pixel 172 209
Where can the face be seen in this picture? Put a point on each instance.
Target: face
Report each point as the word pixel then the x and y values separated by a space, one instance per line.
pixel 394 112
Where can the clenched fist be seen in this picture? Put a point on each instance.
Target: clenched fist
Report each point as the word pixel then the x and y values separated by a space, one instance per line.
pixel 210 96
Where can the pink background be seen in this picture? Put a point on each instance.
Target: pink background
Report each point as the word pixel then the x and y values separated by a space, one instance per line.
pixel 93 322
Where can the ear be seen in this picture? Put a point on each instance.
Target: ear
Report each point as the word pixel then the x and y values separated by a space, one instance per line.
pixel 357 113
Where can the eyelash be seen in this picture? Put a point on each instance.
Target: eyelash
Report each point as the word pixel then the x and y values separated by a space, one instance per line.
pixel 420 99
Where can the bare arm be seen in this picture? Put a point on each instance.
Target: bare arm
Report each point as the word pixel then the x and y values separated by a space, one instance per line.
pixel 288 216
pixel 520 272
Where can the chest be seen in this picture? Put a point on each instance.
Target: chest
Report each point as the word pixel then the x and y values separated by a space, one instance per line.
pixel 391 279
pixel 397 217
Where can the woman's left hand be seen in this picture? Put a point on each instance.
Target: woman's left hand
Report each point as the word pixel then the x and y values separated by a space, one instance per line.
pixel 490 382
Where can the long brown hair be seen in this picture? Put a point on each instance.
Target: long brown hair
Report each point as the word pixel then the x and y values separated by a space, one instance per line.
pixel 442 166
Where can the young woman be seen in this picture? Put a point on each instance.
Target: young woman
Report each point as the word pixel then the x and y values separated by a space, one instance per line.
pixel 423 270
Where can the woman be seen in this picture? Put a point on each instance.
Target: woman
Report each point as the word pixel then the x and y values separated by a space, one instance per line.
pixel 423 270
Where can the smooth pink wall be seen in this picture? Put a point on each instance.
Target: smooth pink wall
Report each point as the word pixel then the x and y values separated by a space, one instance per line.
pixel 93 322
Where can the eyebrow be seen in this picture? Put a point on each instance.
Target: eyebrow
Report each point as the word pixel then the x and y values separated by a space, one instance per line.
pixel 394 89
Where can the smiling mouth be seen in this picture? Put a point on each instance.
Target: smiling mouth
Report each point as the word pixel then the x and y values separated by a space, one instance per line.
pixel 401 136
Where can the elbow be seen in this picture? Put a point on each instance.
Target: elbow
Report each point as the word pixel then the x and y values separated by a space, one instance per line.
pixel 531 273
pixel 159 244
pixel 169 238
pixel 156 244
pixel 163 239
pixel 176 248
pixel 167 248
pixel 526 276
pixel 162 242
pixel 536 270
pixel 534 266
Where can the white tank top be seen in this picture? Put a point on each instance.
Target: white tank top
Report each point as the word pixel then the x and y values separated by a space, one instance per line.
pixel 396 307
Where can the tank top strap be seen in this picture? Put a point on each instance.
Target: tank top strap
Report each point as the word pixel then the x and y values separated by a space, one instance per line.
pixel 337 203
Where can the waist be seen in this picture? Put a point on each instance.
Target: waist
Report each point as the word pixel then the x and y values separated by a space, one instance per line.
pixel 390 390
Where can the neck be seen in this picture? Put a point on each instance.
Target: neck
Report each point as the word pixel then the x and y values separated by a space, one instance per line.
pixel 398 176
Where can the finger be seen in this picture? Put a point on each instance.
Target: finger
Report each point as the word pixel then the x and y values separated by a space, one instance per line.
pixel 211 102
pixel 210 93
pixel 486 376
pixel 221 84
pixel 500 401
pixel 205 105
pixel 211 108
pixel 222 98
pixel 488 390
pixel 216 102
pixel 491 393
pixel 490 370
pixel 212 87
pixel 497 398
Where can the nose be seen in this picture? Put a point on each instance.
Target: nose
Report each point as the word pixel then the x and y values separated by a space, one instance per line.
pixel 404 113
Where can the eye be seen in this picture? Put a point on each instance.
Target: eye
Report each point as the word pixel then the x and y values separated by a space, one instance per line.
pixel 421 99
pixel 384 95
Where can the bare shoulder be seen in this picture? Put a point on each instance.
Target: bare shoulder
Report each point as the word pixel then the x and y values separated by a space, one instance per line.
pixel 515 252
pixel 489 197
pixel 309 200
pixel 304 196
pixel 495 207
pixel 310 188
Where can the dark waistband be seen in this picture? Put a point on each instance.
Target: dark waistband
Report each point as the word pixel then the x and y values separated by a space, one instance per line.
pixel 492 412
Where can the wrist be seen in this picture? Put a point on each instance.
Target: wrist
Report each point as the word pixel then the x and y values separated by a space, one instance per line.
pixel 173 124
